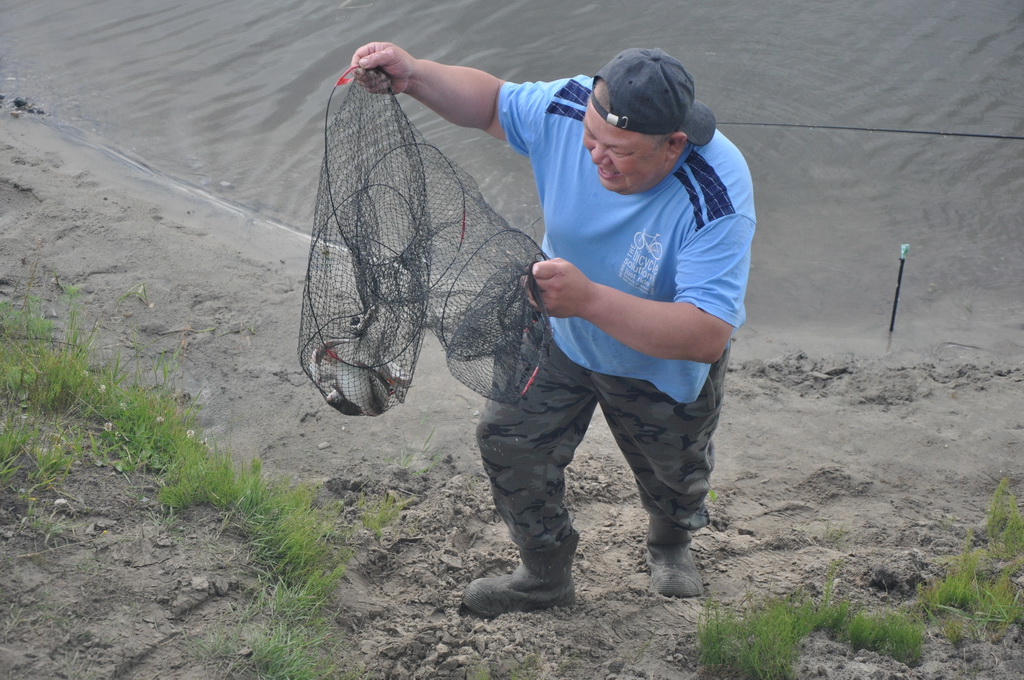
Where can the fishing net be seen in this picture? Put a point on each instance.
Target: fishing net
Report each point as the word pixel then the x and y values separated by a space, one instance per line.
pixel 403 242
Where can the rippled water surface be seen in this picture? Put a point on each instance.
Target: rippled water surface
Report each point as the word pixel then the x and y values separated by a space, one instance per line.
pixel 229 98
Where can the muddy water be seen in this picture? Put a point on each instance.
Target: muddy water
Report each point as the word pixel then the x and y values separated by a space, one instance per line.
pixel 228 100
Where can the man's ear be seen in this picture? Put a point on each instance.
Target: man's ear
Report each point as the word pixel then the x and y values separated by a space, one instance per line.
pixel 677 141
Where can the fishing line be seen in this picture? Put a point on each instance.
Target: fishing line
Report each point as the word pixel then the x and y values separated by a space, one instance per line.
pixel 851 128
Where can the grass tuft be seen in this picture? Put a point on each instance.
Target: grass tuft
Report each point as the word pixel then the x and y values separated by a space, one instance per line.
pixel 761 643
pixel 763 640
pixel 893 633
pixel 977 595
pixel 1005 525
pixel 377 513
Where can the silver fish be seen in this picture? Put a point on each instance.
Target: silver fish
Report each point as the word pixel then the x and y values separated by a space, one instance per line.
pixel 354 389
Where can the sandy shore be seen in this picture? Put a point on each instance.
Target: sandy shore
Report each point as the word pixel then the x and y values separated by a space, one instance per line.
pixel 875 462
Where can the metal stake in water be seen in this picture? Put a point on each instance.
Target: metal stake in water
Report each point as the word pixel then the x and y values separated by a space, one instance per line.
pixel 904 249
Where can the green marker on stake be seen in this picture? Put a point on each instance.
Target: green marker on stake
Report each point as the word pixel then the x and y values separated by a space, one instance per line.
pixel 904 249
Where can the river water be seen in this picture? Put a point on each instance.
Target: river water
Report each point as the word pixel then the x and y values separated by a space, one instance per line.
pixel 228 99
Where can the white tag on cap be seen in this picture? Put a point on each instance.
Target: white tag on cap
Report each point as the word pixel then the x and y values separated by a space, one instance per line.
pixel 617 121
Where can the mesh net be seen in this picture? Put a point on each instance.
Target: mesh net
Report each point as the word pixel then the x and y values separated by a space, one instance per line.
pixel 403 242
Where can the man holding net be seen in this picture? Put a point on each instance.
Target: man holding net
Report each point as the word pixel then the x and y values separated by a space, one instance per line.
pixel 649 217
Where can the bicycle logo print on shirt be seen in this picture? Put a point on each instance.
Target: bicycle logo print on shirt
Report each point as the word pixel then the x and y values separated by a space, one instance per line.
pixel 640 266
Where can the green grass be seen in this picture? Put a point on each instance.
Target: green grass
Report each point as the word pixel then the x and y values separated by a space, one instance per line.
pixel 835 534
pixel 422 459
pixel 275 637
pixel 1005 526
pixel 377 513
pixel 975 597
pixel 61 406
pixel 893 633
pixel 762 641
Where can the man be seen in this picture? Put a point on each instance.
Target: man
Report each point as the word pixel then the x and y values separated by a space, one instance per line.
pixel 649 219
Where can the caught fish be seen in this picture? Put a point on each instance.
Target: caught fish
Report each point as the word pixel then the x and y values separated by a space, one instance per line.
pixel 351 388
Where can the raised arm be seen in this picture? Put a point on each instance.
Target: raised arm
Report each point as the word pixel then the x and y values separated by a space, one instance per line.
pixel 464 96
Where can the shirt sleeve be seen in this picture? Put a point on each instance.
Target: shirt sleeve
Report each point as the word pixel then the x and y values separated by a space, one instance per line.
pixel 714 268
pixel 523 107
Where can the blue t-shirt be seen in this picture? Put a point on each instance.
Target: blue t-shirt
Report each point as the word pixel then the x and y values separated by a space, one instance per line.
pixel 687 239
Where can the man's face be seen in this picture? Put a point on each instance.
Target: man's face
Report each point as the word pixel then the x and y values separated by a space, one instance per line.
pixel 628 162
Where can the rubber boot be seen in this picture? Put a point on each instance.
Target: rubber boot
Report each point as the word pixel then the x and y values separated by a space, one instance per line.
pixel 544 579
pixel 673 572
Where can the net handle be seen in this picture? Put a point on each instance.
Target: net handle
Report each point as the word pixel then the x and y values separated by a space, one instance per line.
pixel 345 80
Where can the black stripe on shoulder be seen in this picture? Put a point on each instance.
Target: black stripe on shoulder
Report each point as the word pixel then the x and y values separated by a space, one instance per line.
pixel 709 185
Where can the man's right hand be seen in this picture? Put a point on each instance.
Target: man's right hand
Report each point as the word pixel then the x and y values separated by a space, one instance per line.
pixel 380 64
pixel 461 95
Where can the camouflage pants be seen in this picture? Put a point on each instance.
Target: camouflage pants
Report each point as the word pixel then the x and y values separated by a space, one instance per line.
pixel 667 445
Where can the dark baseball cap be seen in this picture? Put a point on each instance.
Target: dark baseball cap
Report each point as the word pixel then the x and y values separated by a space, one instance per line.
pixel 650 92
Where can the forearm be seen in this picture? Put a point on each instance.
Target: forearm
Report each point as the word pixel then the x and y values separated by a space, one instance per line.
pixel 464 96
pixel 666 330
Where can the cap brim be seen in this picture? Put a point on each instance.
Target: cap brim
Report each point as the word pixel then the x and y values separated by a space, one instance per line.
pixel 699 125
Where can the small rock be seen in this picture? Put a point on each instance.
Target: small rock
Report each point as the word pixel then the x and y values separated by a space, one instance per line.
pixel 616 666
pixel 220 586
pixel 186 602
pixel 452 561
pixel 99 527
